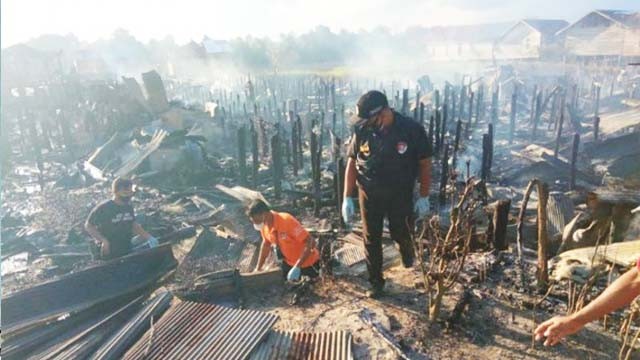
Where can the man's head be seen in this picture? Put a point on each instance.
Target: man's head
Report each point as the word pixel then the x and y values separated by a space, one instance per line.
pixel 258 211
pixel 122 189
pixel 373 109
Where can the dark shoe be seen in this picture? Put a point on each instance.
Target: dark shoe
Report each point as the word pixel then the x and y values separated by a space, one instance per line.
pixel 408 255
pixel 376 291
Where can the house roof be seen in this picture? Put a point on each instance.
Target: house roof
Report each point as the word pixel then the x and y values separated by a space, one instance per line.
pixel 547 27
pixel 216 46
pixel 620 17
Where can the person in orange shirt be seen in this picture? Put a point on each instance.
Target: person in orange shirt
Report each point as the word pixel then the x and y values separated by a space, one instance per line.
pixel 293 246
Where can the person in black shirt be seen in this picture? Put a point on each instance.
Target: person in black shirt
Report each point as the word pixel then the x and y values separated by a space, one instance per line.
pixel 112 223
pixel 387 153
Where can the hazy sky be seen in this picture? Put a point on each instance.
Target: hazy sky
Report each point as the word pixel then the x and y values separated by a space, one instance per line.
pixel 191 19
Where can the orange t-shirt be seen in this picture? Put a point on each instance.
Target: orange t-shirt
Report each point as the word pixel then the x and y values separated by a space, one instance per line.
pixel 288 234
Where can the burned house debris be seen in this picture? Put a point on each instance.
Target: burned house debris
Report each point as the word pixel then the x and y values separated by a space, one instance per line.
pixel 531 203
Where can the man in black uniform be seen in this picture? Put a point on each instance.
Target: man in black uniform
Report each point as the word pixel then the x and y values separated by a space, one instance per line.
pixel 112 223
pixel 387 153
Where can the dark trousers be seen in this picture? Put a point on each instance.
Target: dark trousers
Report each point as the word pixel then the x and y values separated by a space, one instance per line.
pixel 311 271
pixel 398 207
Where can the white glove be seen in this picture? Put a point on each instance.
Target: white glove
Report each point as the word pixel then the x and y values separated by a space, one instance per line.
pixel 152 241
pixel 348 209
pixel 294 274
pixel 421 207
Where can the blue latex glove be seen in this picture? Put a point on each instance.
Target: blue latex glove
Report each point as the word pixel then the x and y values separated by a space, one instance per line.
pixel 153 242
pixel 421 207
pixel 348 209
pixel 294 274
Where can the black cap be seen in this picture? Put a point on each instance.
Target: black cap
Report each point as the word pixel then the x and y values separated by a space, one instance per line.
pixel 370 105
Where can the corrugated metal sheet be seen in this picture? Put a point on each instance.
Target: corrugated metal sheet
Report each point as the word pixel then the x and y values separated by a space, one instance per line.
pixel 119 342
pixel 79 291
pixel 305 346
pixel 560 211
pixel 350 255
pixel 191 330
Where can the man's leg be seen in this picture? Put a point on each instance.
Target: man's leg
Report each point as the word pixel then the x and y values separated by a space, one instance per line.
pixel 285 269
pixel 401 225
pixel 312 271
pixel 372 212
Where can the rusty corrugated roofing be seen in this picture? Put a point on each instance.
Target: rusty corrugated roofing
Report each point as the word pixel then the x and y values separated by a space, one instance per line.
pixel 191 330
pixel 334 345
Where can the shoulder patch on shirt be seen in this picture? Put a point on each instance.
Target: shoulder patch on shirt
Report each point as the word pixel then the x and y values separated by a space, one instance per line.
pixel 401 146
pixel 364 148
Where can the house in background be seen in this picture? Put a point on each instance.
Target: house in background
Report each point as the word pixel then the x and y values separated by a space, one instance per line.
pixel 603 35
pixel 463 43
pixel 216 49
pixel 531 39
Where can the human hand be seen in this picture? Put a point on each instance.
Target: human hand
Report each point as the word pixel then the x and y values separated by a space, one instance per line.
pixel 556 328
pixel 348 209
pixel 105 249
pixel 421 207
pixel 294 274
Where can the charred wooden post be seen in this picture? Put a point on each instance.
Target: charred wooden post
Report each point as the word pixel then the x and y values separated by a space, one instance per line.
pixel 559 127
pixel 343 124
pixel 456 144
pixel 444 177
pixel 443 130
pixel 533 104
pixel 338 182
pixel 471 98
pixel 300 139
pixel 294 144
pixel 405 102
pixel 543 240
pixel 494 106
pixel 514 109
pixel 254 155
pixel 480 104
pixel 430 132
pixel 538 113
pixel 596 128
pixel 596 110
pixel 484 171
pixel 315 167
pixel 500 222
pixel 452 116
pixel 574 159
pixel 242 155
pixel 276 165
pixel 463 95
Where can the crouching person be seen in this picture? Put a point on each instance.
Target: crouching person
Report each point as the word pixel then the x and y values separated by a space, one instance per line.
pixel 112 223
pixel 295 249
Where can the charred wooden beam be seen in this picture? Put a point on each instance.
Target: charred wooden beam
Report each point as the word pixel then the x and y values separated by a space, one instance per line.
pixel 574 159
pixel 543 240
pixel 559 127
pixel 242 155
pixel 514 109
pixel 276 165
pixel 444 177
pixel 255 156
pixel 500 221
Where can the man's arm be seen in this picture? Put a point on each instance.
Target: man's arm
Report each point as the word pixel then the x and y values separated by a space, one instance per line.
pixel 93 231
pixel 425 176
pixel 620 293
pixel 140 231
pixel 350 178
pixel 309 244
pixel 265 249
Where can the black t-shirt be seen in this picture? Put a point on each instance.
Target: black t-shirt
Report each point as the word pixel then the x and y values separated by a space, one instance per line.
pixel 115 223
pixel 388 158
